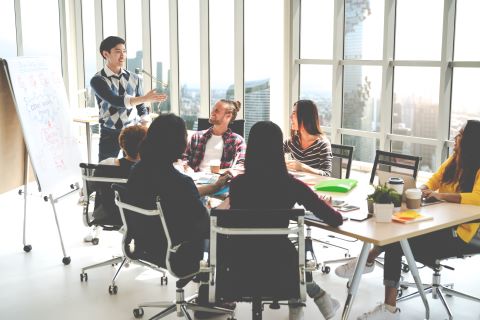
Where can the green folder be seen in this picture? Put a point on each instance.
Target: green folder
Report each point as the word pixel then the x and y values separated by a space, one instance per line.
pixel 336 185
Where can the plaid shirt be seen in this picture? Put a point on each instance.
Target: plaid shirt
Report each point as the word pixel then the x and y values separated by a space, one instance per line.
pixel 233 144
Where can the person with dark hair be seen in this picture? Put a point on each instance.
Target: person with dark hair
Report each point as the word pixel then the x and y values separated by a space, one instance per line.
pixel 119 97
pixel 457 181
pixel 217 143
pixel 308 146
pixel 130 139
pixel 267 184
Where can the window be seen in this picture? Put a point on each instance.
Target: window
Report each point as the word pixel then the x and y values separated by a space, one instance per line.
pixel 418 30
pixel 221 50
pixel 466 21
pixel 90 49
pixel 364 147
pixel 189 60
pixel 465 103
pixel 316 85
pixel 364 29
pixel 110 24
pixel 34 25
pixel 427 163
pixel 263 61
pixel 133 26
pixel 8 41
pixel 159 17
pixel 316 29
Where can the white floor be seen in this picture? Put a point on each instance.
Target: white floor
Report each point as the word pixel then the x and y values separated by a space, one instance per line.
pixel 37 285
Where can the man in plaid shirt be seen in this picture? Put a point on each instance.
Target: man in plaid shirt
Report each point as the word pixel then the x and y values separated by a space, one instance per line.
pixel 218 143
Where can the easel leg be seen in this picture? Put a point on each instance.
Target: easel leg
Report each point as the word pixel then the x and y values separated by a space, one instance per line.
pixel 26 247
pixel 66 260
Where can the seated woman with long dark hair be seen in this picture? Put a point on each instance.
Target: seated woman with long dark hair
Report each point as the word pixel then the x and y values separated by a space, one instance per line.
pixel 457 181
pixel 267 184
pixel 308 146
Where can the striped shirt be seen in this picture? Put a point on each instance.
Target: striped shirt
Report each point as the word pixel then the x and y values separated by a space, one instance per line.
pixel 318 155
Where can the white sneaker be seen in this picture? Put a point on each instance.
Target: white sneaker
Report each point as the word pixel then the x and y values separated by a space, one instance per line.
pixel 296 312
pixel 346 270
pixel 381 313
pixel 328 306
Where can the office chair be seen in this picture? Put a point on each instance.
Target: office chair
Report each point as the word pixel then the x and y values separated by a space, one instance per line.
pixel 395 163
pixel 237 126
pixel 153 245
pixel 436 288
pixel 269 269
pixel 97 182
pixel 341 153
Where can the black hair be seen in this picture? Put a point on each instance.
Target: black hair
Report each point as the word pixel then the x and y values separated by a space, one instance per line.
pixel 109 43
pixel 466 160
pixel 131 138
pixel 265 156
pixel 307 114
pixel 166 140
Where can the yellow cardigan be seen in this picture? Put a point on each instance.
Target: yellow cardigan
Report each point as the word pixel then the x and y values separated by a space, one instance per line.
pixel 465 231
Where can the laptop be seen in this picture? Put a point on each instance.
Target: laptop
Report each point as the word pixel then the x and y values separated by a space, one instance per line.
pixel 430 201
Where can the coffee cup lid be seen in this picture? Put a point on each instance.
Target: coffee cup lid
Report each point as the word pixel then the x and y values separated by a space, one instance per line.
pixel 395 180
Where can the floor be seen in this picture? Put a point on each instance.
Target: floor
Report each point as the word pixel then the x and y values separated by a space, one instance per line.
pixel 36 285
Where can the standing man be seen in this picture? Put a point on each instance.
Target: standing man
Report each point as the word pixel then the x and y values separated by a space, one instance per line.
pixel 217 142
pixel 119 96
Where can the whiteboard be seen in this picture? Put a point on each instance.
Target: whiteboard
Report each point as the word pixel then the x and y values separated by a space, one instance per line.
pixel 44 112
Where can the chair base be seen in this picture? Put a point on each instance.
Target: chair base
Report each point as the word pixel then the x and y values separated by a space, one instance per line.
pixel 181 307
pixel 438 291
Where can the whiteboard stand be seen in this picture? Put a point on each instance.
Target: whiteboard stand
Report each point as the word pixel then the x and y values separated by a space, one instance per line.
pixel 26 247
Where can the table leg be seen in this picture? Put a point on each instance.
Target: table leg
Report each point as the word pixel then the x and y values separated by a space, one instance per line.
pixel 89 149
pixel 413 269
pixel 355 281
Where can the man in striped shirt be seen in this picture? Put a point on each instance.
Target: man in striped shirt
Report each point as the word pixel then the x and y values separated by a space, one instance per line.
pixel 119 96
pixel 218 143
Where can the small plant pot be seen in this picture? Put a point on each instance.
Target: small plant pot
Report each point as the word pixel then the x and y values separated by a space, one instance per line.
pixel 370 205
pixel 383 212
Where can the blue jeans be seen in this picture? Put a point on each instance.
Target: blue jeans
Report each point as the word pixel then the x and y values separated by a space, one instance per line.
pixel 108 146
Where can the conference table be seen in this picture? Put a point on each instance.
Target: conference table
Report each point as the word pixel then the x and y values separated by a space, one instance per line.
pixel 89 117
pixel 444 215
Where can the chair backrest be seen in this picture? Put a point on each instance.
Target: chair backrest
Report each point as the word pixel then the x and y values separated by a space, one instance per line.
pixel 149 230
pixel 237 126
pixel 395 163
pixel 253 257
pixel 342 158
pixel 98 179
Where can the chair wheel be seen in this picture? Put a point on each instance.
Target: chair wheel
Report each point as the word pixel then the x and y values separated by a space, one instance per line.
pixel 348 284
pixel 27 248
pixel 405 268
pixel 95 241
pixel 112 289
pixel 347 255
pixel 399 293
pixel 326 269
pixel 163 280
pixel 138 313
pixel 66 260
pixel 83 276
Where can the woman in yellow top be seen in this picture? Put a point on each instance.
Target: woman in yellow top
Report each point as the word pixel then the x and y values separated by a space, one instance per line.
pixel 458 181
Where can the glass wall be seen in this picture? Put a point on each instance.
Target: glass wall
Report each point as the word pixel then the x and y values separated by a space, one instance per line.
pixel 316 85
pixel 133 28
pixel 90 49
pixel 8 40
pixel 110 24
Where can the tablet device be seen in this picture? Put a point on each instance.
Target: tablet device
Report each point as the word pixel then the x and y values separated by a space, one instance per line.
pixel 430 201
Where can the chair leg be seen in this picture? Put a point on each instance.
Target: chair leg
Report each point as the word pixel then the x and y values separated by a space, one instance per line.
pixel 414 294
pixel 185 312
pixel 442 298
pixel 118 271
pixel 104 263
pixel 257 309
pixel 165 312
pixel 456 293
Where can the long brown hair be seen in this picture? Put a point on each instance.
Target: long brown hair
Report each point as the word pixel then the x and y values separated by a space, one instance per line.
pixel 307 115
pixel 466 160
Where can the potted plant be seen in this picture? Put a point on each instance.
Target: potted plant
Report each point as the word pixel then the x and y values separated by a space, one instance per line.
pixel 384 199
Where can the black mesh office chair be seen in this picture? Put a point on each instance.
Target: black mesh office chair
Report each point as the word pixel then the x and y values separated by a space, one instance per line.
pixel 436 288
pixel 253 260
pixel 237 126
pixel 342 159
pixel 395 162
pixel 153 245
pixel 97 182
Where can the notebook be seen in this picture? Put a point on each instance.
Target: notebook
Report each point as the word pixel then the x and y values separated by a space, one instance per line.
pixel 410 216
pixel 336 185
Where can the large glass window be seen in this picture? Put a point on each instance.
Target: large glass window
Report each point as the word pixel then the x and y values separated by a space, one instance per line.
pixel 133 28
pixel 263 61
pixel 316 29
pixel 418 30
pixel 361 97
pixel 159 17
pixel 189 59
pixel 426 152
pixel 8 42
pixel 365 148
pixel 364 29
pixel 465 102
pixel 90 49
pixel 110 24
pixel 221 50
pixel 35 26
pixel 466 48
pixel 316 85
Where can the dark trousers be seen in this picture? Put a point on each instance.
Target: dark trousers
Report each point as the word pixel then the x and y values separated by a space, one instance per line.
pixel 426 249
pixel 108 146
